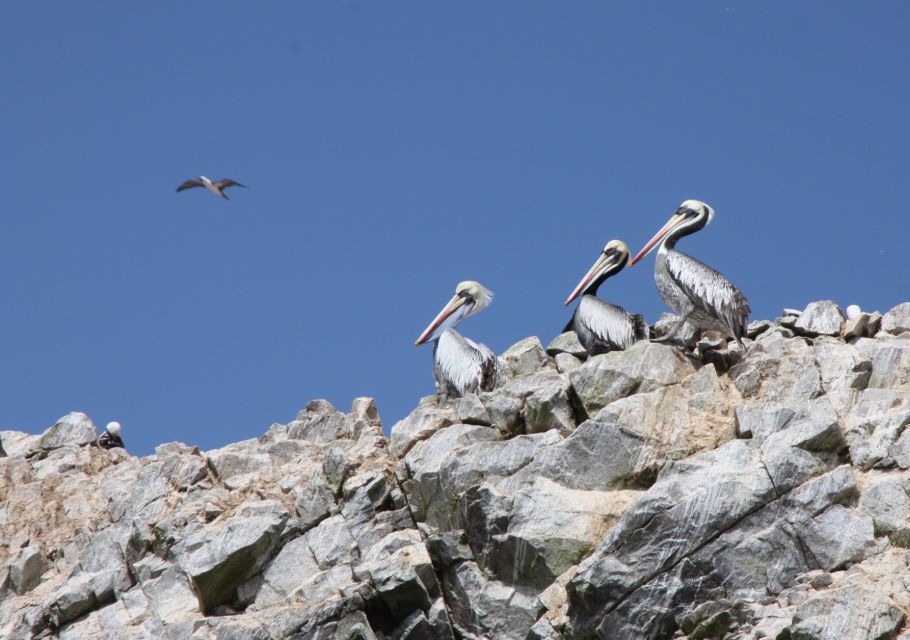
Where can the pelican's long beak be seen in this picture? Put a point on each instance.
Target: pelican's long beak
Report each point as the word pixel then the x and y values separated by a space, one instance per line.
pixel 674 220
pixel 602 263
pixel 453 305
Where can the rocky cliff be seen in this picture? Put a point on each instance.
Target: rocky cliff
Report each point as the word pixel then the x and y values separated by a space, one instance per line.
pixel 637 494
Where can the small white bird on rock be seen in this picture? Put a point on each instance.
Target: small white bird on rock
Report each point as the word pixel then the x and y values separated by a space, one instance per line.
pixel 110 439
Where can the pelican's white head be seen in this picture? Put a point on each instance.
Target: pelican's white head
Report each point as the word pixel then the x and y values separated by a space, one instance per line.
pixel 699 207
pixel 481 296
pixel 691 216
pixel 611 260
pixel 113 428
pixel 470 297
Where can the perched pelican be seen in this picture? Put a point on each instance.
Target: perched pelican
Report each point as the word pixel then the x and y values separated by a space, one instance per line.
pixel 111 436
pixel 215 187
pixel 461 365
pixel 700 295
pixel 602 326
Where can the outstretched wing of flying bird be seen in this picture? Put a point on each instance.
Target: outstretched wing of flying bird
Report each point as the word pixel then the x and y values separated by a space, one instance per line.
pixel 224 183
pixel 189 184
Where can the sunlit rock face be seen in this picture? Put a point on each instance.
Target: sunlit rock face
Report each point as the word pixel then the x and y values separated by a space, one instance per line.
pixel 658 492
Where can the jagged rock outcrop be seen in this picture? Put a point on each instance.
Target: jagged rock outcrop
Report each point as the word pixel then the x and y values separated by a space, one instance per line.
pixel 638 494
pixel 302 533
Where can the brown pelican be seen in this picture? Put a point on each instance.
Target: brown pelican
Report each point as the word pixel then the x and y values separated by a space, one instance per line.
pixel 700 295
pixel 461 365
pixel 215 187
pixel 602 326
pixel 111 436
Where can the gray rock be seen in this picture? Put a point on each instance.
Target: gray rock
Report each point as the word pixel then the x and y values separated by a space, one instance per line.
pixel 186 470
pixel 787 321
pixel 838 536
pixel 512 409
pixel 890 359
pixel 26 569
pixel 438 618
pixel 470 410
pixel 542 530
pixel 543 630
pixel 844 369
pixel 597 456
pixel 439 477
pixel 74 599
pixel 364 417
pixel 874 424
pixel 850 613
pixel 415 627
pixel 548 408
pixel 421 424
pixel 566 362
pixel 293 565
pixel 757 327
pixel 72 429
pixel 526 356
pixel 319 423
pixel 220 559
pixel 16 443
pixel 238 460
pixel 687 335
pixel 760 421
pixel 315 499
pixel 779 370
pixel 725 550
pixel 722 486
pixel 820 318
pixel 331 542
pixel 146 499
pixel 171 596
pixel 855 327
pixel 504 411
pixel 488 609
pixel 900 450
pixel 887 502
pixel 873 325
pixel 567 343
pixel 675 421
pixel 642 367
pixel 448 547
pixel 897 320
pixel 818 430
pixel 713 619
pixel 401 570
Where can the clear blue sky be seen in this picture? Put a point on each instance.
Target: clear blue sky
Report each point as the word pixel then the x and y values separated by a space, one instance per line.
pixel 392 150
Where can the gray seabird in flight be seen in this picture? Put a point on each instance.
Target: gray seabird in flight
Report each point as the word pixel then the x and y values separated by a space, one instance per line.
pixel 215 187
